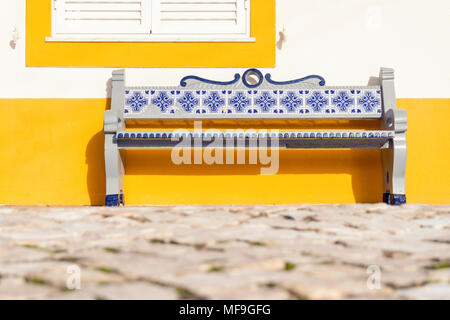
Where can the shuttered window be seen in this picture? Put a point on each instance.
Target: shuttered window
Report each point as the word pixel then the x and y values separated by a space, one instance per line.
pixel 147 18
pixel 199 17
pixel 102 16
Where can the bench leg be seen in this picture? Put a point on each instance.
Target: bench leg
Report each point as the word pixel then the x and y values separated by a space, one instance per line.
pixel 114 172
pixel 394 168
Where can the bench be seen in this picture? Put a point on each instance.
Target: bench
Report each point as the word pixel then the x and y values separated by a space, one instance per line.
pixel 257 97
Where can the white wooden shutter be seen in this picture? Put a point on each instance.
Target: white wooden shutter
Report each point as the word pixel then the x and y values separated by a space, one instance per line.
pixel 101 16
pixel 199 16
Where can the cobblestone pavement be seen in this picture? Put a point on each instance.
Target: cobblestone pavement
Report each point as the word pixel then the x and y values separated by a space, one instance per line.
pixel 225 252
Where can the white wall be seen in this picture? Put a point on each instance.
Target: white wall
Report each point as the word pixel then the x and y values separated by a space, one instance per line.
pixel 346 41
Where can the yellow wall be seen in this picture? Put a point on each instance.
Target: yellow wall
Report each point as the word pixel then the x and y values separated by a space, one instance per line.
pixel 41 54
pixel 52 153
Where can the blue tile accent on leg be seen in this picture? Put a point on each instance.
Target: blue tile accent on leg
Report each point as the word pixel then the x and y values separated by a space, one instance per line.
pixel 387 197
pixel 397 199
pixel 121 199
pixel 112 200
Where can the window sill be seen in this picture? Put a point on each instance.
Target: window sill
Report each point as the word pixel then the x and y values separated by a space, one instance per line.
pixel 151 39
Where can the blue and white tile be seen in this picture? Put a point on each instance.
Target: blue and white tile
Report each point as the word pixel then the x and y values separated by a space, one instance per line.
pixel 136 101
pixel 265 101
pixel 369 101
pixel 214 101
pixel 240 101
pixel 317 101
pixel 164 100
pixel 342 101
pixel 291 101
pixel 189 101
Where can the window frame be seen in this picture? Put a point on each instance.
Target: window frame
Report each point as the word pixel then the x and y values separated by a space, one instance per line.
pixel 260 53
pixel 151 37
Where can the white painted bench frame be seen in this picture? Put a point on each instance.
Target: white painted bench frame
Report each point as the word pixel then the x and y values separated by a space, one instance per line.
pixel 128 103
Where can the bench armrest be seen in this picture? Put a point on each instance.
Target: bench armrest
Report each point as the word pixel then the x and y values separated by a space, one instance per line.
pixel 111 123
pixel 396 119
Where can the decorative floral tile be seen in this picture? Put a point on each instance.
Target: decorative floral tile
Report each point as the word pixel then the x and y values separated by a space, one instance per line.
pixel 136 101
pixel 265 101
pixel 317 101
pixel 214 101
pixel 240 101
pixel 164 101
pixel 369 101
pixel 290 101
pixel 302 102
pixel 342 101
pixel 190 101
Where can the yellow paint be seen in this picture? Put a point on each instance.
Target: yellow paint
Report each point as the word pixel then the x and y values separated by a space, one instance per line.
pixel 52 153
pixel 40 53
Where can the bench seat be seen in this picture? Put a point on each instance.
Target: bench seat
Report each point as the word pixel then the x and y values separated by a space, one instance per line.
pixel 256 98
pixel 281 134
pixel 292 139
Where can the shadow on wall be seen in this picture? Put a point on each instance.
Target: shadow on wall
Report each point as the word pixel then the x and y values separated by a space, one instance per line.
pixel 96 183
pixel 364 167
pixel 96 169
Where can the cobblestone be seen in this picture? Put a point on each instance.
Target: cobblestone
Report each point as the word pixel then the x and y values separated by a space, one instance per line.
pixel 226 252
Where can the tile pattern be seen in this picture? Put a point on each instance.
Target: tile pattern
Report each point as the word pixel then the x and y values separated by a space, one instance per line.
pixel 291 101
pixel 164 100
pixel 292 134
pixel 214 101
pixel 136 101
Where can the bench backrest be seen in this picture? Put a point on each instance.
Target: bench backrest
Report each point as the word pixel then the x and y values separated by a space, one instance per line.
pixel 240 98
